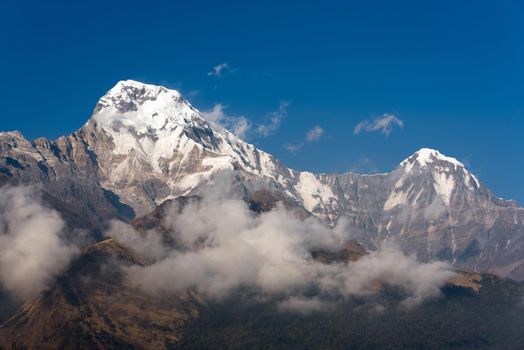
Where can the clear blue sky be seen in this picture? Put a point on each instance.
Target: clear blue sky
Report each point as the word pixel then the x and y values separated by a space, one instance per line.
pixel 452 71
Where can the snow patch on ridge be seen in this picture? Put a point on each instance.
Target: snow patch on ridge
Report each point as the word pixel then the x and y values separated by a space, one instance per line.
pixel 312 191
pixel 396 198
pixel 443 185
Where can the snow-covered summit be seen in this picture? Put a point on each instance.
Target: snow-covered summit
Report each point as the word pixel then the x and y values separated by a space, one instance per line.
pixel 143 107
pixel 440 166
pixel 428 168
pixel 426 157
pixel 134 92
pixel 152 132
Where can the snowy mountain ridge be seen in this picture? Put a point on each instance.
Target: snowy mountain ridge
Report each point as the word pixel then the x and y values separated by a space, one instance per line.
pixel 157 122
pixel 145 144
pixel 161 130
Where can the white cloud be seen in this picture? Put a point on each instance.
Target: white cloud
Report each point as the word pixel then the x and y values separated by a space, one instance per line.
pixel 224 247
pixel 149 244
pixel 311 136
pixel 315 134
pixel 219 69
pixel 32 251
pixel 239 126
pixel 384 124
pixel 275 118
pixel 389 266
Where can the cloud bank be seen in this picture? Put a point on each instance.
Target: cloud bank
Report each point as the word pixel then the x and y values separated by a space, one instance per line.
pixel 224 248
pixel 32 251
pixel 384 124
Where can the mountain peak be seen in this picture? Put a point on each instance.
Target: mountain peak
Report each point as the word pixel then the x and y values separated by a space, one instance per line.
pixel 446 173
pixel 426 157
pixel 154 127
pixel 135 89
pixel 127 95
pixel 142 107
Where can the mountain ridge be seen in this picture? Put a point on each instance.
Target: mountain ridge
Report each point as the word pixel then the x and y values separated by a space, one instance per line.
pixel 145 144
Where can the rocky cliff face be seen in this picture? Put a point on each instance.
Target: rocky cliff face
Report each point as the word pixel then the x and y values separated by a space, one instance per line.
pixel 434 207
pixel 145 144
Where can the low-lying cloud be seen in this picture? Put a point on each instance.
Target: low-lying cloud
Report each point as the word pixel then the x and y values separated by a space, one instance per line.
pixel 224 247
pixel 32 250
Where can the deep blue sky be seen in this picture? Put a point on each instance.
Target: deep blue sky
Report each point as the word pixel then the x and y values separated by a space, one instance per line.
pixel 452 71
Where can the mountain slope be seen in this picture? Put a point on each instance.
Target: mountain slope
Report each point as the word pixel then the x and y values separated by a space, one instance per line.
pixel 460 319
pixel 145 144
pixel 92 306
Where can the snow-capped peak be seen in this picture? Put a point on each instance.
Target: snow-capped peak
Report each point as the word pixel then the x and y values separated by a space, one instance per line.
pixel 135 91
pixel 143 108
pixel 427 156
pixel 153 127
pixel 446 172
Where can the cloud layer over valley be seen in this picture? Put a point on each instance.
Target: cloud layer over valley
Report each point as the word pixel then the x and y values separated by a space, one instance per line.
pixel 224 247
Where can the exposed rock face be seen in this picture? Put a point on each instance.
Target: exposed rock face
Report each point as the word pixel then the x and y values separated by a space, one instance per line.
pixel 435 208
pixel 145 144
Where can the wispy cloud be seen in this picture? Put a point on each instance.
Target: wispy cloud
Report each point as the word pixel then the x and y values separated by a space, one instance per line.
pixel 238 125
pixel 242 126
pixel 291 148
pixel 219 69
pixel 275 119
pixel 384 124
pixel 314 134
pixel 192 93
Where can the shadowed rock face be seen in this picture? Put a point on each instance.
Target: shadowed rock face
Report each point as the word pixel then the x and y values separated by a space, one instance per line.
pixel 145 144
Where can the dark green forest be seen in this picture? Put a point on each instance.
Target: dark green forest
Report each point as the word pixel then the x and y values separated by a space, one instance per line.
pixel 459 319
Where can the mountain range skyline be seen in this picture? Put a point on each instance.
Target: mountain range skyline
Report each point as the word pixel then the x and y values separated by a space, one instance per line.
pixel 261 175
pixel 145 145
pixel 382 125
pixel 450 73
pixel 216 117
